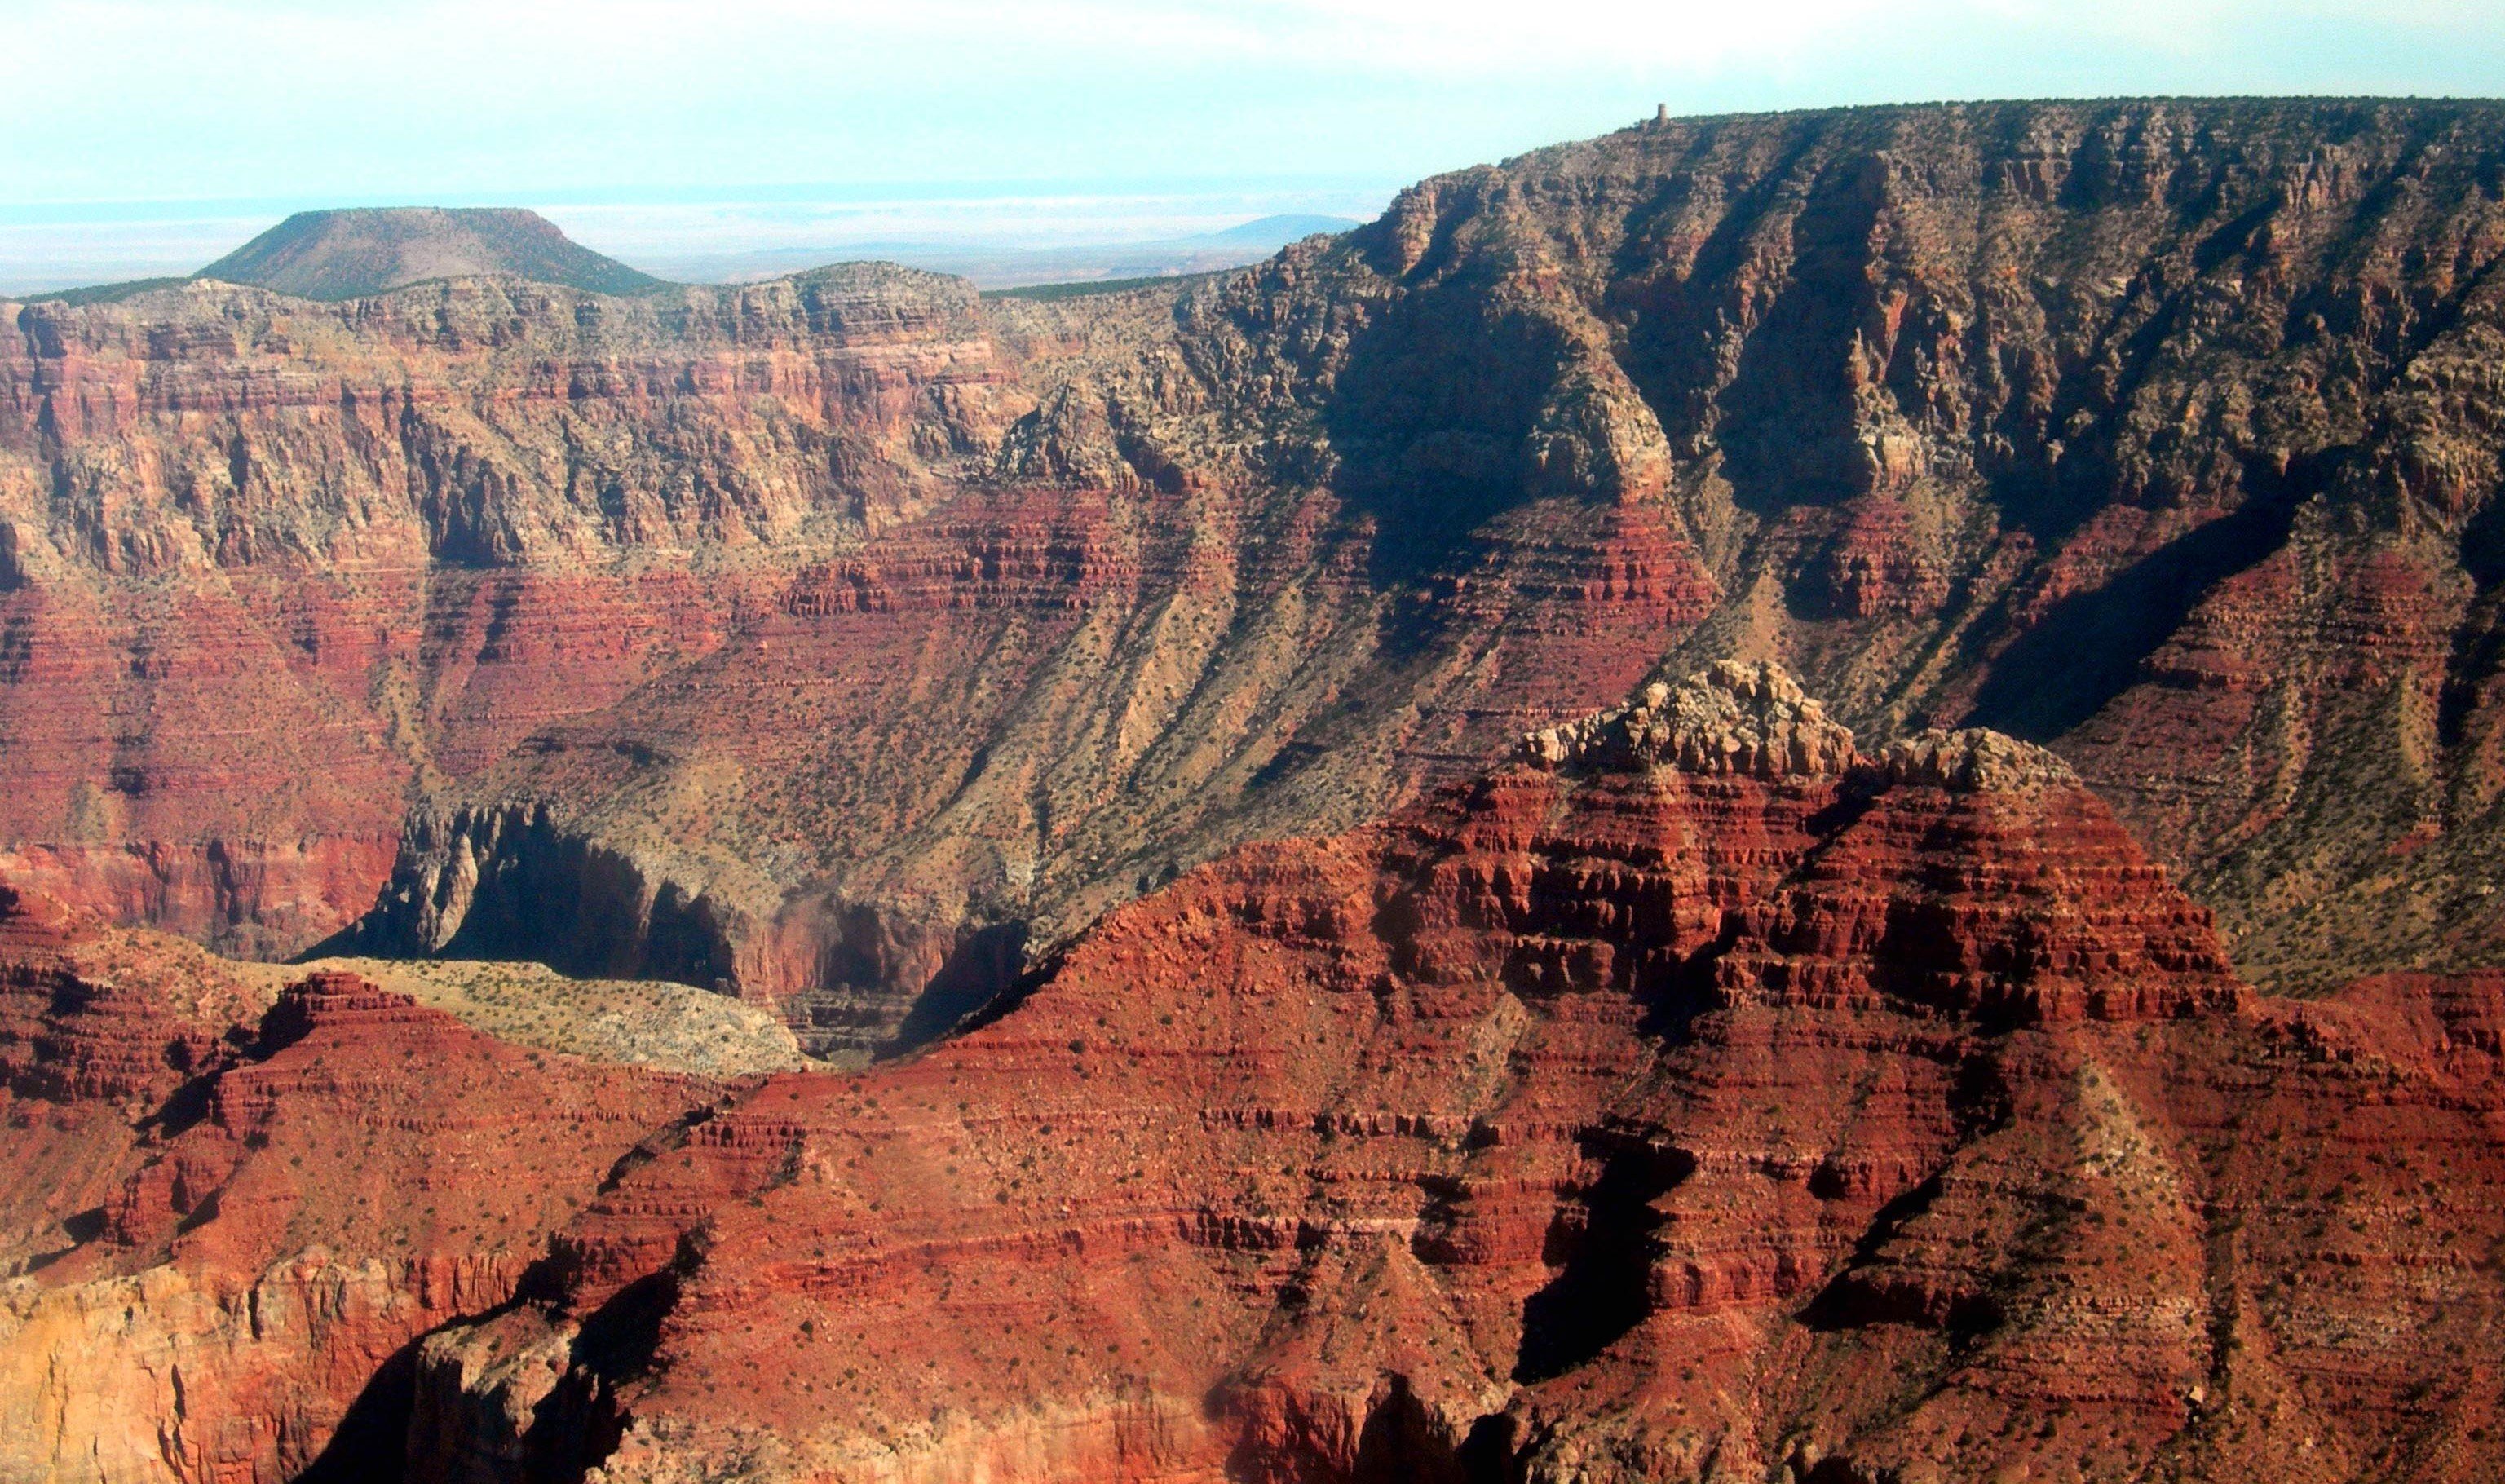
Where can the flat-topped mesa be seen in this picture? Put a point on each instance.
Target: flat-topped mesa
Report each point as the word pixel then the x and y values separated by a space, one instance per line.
pixel 359 252
pixel 1747 718
pixel 1973 760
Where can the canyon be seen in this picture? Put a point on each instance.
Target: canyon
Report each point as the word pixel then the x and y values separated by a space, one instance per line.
pixel 1803 796
pixel 847 638
pixel 1697 1097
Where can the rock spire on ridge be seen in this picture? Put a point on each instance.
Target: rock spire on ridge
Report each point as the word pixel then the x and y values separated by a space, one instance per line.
pixel 1974 760
pixel 1743 717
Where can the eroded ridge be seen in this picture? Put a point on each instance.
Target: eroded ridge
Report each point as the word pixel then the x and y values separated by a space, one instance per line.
pixel 231 1200
pixel 838 638
pixel 1613 1122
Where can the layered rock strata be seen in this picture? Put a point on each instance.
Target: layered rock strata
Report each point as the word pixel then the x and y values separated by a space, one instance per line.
pixel 1870 1119
pixel 850 639
pixel 1737 1111
pixel 226 1218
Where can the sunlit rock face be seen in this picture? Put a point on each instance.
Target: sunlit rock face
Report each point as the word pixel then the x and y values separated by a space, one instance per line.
pixel 1608 1120
pixel 849 639
pixel 1622 1122
pixel 233 1205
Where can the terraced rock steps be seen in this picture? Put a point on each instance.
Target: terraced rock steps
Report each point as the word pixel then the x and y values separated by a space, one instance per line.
pixel 853 639
pixel 1633 1111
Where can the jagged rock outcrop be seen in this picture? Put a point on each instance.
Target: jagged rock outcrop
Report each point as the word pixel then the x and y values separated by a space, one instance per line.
pixel 1974 757
pixel 1733 718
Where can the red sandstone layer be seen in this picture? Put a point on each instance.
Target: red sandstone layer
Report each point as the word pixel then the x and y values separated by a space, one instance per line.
pixel 1883 1119
pixel 1709 1097
pixel 840 638
pixel 228 1222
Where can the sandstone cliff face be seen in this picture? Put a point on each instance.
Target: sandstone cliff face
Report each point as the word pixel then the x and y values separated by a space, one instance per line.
pixel 812 639
pixel 279 570
pixel 1871 1119
pixel 845 640
pixel 1729 1112
pixel 226 1218
pixel 2160 432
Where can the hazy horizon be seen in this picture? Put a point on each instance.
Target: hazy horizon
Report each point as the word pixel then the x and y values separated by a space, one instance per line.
pixel 149 136
pixel 696 240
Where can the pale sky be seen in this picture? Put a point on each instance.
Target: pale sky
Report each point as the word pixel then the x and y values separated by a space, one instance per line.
pixel 244 105
pixel 121 99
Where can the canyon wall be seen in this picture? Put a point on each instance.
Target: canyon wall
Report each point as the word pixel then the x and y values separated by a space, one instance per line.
pixel 1699 1097
pixel 1718 1103
pixel 274 570
pixel 231 1215
pixel 1318 1045
pixel 849 640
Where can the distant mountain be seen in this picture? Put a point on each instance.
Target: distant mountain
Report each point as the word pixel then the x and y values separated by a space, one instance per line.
pixel 351 254
pixel 1279 230
pixel 993 264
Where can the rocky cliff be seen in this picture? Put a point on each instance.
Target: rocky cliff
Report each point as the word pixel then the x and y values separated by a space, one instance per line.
pixel 227 1214
pixel 2163 434
pixel 1831 1117
pixel 1733 1112
pixel 848 640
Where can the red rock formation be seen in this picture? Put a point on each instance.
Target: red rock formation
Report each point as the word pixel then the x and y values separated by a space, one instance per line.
pixel 1710 1097
pixel 231 1228
pixel 97 1030
pixel 840 637
pixel 2138 492
pixel 851 641
pixel 295 560
pixel 1870 1120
